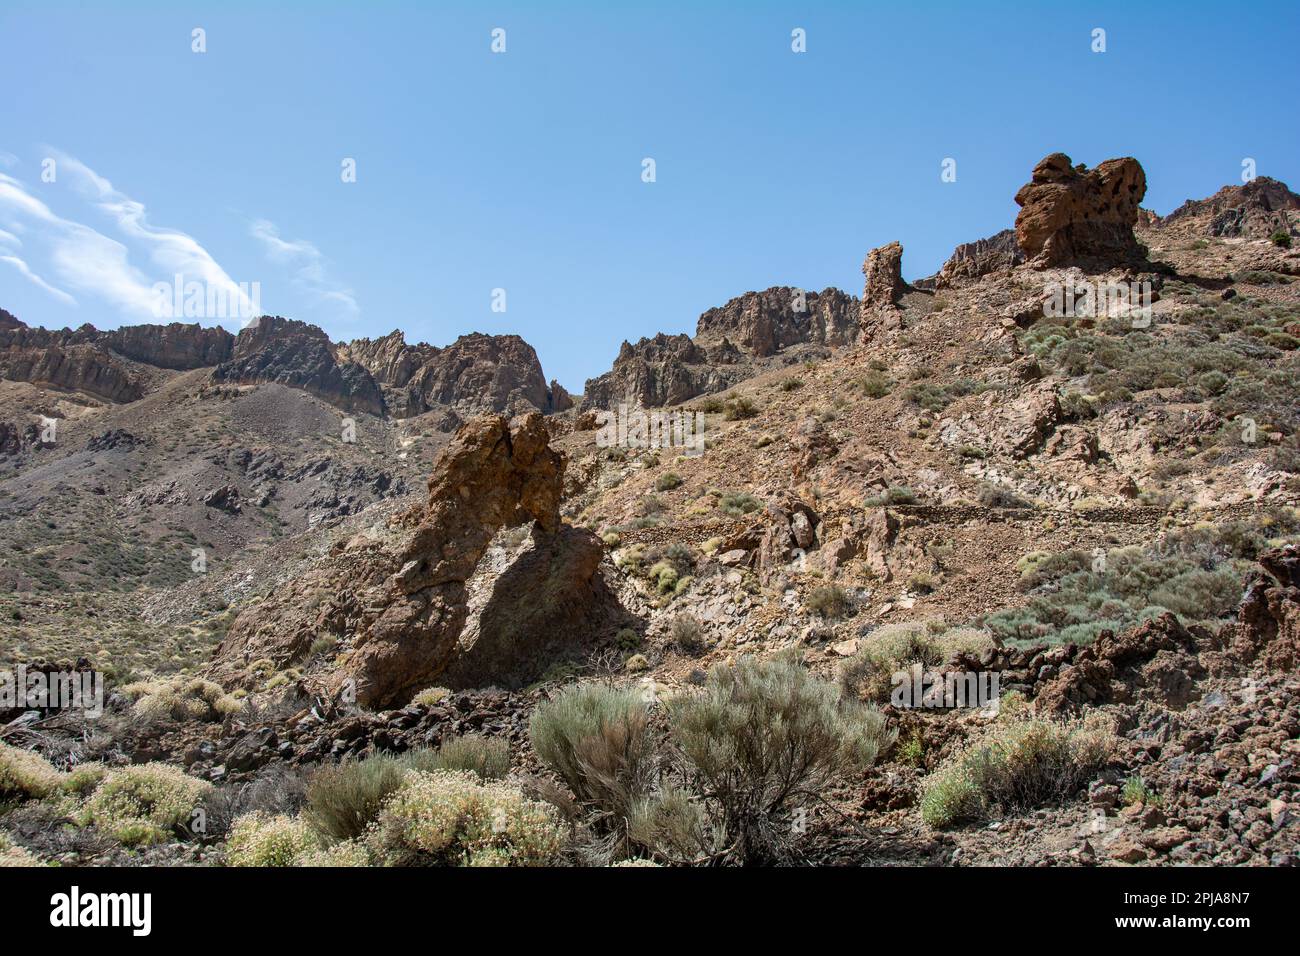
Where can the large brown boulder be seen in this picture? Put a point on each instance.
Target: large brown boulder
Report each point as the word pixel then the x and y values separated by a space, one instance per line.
pixel 398 609
pixel 1071 215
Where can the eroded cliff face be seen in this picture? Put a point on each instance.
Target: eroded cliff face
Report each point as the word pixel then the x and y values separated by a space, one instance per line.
pixel 731 344
pixel 102 364
pixel 1253 210
pixel 477 373
pixel 275 349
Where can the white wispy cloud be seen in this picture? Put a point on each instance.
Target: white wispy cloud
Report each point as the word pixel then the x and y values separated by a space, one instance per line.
pixel 80 257
pixel 22 267
pixel 306 260
pixel 170 249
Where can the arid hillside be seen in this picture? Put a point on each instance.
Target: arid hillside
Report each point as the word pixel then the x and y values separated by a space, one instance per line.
pixel 669 621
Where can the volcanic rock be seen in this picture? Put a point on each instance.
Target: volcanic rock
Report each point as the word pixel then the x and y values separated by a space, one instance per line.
pixel 1072 215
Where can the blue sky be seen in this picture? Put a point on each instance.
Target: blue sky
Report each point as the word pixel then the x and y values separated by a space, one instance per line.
pixel 523 170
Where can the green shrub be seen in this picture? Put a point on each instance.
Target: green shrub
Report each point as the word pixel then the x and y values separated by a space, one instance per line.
pixel 594 738
pixel 687 633
pixel 668 481
pixel 26 775
pixel 345 853
pixel 738 504
pixel 430 696
pixel 181 699
pixel 995 496
pixel 84 778
pixel 829 601
pixel 1137 792
pixel 342 800
pixel 1019 764
pixel 894 648
pixel 451 818
pixel 763 735
pixel 1281 239
pixel 664 576
pixel 738 408
pixel 896 495
pixel 874 384
pixel 487 757
pixel 146 803
pixel 259 839
pixel 323 646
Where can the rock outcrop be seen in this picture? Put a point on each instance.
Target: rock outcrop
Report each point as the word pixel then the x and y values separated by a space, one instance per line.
pixel 764 323
pixel 730 344
pixel 100 364
pixel 69 359
pixel 477 373
pixel 883 269
pixel 664 370
pixel 970 260
pixel 175 346
pixel 1071 215
pixel 1254 210
pixel 399 608
pixel 292 353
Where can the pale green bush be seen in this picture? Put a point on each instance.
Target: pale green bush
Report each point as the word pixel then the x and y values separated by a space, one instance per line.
pixel 84 777
pixel 26 775
pixel 895 648
pixel 452 818
pixel 1019 763
pixel 594 738
pixel 430 696
pixel 146 803
pixel 181 699
pixel 259 839
pixel 763 735
pixel 346 853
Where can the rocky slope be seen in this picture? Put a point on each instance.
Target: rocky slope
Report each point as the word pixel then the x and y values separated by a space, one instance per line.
pixel 1109 500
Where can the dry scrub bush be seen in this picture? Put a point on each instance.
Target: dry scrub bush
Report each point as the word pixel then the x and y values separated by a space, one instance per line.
pixel 84 778
pixel 344 799
pixel 26 775
pixel 260 839
pixel 594 738
pixel 345 854
pixel 143 804
pixel 764 735
pixel 893 648
pixel 11 855
pixel 451 818
pixel 1018 764
pixel 181 699
pixel 430 696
